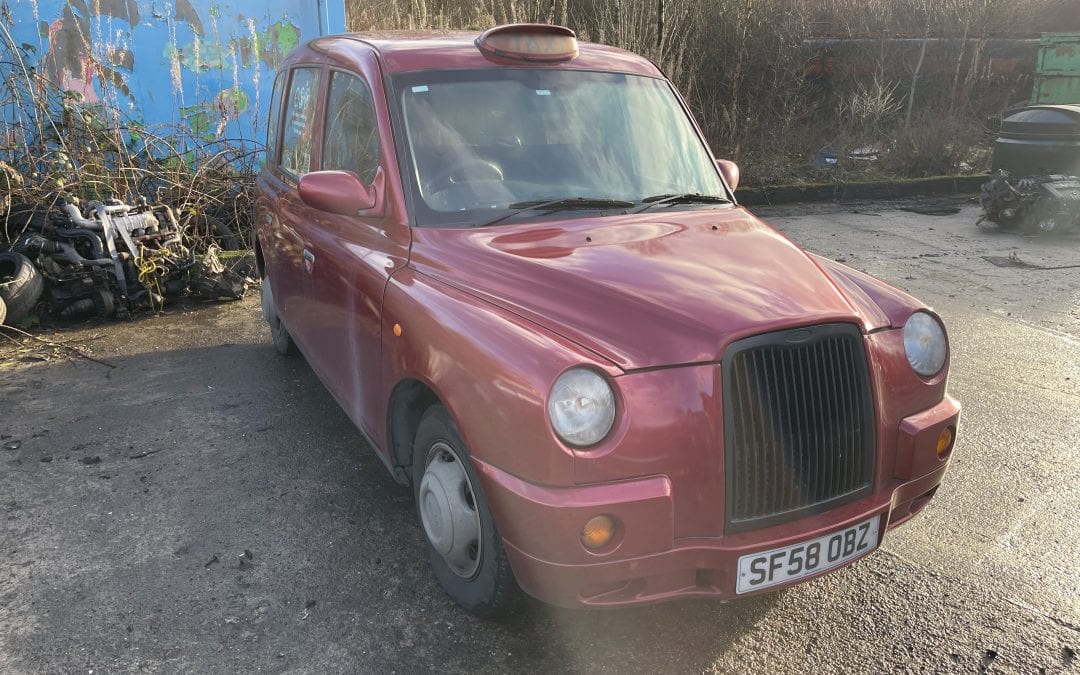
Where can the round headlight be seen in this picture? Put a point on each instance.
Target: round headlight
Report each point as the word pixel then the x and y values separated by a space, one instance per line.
pixel 924 342
pixel 581 407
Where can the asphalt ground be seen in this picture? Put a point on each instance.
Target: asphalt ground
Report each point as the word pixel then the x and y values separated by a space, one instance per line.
pixel 204 506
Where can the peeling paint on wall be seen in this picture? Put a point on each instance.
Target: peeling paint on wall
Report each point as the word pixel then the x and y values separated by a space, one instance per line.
pixel 70 55
pixel 278 41
pixel 210 118
pixel 198 63
pixel 185 12
pixel 121 9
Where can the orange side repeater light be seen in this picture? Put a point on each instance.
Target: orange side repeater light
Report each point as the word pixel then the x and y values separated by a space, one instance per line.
pixel 537 42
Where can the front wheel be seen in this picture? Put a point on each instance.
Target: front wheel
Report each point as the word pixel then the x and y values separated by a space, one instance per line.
pixel 464 547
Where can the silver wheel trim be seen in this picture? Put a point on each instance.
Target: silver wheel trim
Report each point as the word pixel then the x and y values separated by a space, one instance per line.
pixel 1047 225
pixel 448 511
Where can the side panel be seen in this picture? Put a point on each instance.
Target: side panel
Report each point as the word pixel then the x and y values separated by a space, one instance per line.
pixel 1057 77
pixel 493 371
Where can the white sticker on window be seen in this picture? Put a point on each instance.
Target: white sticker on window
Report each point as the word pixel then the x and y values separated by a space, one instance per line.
pixel 543 92
pixel 419 90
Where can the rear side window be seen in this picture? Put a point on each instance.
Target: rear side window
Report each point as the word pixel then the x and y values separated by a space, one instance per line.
pixel 298 133
pixel 351 139
pixel 275 119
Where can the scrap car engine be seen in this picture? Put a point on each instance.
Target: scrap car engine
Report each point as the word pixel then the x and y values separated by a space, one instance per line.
pixel 111 258
pixel 1035 204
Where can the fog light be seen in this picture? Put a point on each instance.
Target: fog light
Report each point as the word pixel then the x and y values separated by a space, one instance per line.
pixel 944 442
pixel 598 532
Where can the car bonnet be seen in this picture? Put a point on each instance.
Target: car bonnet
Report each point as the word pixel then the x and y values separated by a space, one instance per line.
pixel 642 291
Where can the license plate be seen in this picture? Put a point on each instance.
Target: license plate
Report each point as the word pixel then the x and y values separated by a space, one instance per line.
pixel 788 563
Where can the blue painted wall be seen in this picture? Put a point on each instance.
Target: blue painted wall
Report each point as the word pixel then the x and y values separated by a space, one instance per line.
pixel 204 65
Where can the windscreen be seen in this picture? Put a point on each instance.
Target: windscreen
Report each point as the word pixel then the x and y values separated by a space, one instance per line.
pixel 478 142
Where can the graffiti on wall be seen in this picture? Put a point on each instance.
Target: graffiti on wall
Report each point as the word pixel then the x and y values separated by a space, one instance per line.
pixel 70 61
pixel 204 65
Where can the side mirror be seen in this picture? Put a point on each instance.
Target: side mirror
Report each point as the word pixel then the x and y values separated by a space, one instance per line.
pixel 730 171
pixel 338 192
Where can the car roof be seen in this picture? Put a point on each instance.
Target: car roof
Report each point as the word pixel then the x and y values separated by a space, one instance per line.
pixel 404 51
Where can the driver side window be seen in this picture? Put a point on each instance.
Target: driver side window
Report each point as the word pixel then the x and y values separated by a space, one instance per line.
pixel 351 139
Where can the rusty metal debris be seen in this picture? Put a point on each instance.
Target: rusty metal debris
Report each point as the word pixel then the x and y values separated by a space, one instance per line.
pixel 109 259
pixel 1036 204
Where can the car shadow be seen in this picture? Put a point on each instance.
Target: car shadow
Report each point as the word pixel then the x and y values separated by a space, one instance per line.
pixel 213 508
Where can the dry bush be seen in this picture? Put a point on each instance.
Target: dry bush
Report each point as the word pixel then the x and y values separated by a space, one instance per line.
pixel 769 91
pixel 438 14
pixel 909 76
pixel 61 148
pixel 935 145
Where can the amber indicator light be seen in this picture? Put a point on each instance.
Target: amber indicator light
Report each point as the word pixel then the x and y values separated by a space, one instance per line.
pixel 944 442
pixel 529 42
pixel 397 329
pixel 598 532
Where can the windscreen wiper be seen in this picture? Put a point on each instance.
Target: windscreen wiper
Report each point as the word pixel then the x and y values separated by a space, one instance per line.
pixel 563 204
pixel 685 198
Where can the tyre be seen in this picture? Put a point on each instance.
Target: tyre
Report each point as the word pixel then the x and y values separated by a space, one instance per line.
pixel 203 228
pixel 224 234
pixel 283 342
pixel 3 311
pixel 20 286
pixel 463 544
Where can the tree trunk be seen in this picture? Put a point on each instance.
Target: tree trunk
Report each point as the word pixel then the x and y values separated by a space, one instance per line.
pixel 659 25
pixel 914 84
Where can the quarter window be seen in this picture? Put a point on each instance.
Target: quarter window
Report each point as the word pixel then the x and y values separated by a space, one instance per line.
pixel 298 133
pixel 351 140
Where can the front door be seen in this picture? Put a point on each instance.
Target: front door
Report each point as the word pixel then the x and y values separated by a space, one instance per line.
pixel 349 259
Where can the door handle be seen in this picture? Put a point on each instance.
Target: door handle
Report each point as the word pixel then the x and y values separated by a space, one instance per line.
pixel 309 261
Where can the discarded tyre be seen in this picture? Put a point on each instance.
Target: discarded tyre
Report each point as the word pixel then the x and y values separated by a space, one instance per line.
pixel 215 230
pixel 3 311
pixel 20 286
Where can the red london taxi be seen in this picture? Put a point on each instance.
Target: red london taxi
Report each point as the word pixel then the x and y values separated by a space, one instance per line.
pixel 516 265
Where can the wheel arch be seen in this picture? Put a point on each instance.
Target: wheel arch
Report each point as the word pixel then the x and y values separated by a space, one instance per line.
pixel 490 368
pixel 409 400
pixel 260 262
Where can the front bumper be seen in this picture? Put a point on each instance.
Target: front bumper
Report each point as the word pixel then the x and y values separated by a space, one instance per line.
pixel 540 525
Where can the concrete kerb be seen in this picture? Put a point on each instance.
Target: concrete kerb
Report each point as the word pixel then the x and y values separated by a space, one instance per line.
pixel 865 190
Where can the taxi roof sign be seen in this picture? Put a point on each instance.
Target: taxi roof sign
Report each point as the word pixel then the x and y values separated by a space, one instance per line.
pixel 538 42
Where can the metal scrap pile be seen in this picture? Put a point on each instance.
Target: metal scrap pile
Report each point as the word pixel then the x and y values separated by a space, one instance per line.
pixel 107 260
pixel 1035 204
